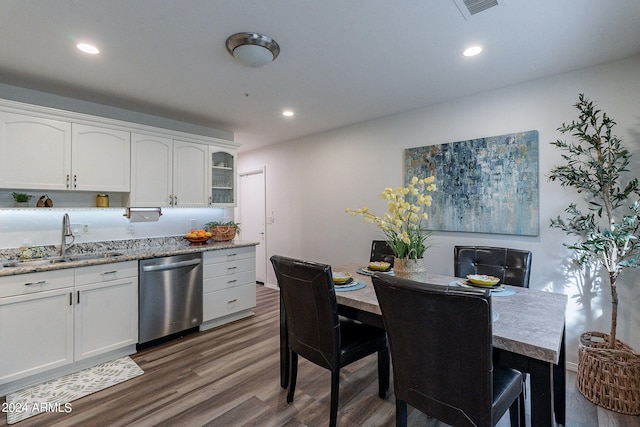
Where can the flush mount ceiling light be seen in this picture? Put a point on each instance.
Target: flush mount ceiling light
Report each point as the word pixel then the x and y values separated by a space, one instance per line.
pixel 252 49
pixel 88 48
pixel 472 51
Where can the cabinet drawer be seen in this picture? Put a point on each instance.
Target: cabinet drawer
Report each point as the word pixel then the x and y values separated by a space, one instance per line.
pixel 223 282
pixel 228 268
pixel 22 284
pixel 229 254
pixel 105 272
pixel 229 301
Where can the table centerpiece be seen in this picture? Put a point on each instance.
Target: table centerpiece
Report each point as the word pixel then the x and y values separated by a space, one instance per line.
pixel 402 225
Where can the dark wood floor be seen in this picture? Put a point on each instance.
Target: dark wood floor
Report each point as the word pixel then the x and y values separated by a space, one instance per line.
pixel 229 376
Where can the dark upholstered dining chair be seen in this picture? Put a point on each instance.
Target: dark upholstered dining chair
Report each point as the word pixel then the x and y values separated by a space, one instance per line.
pixel 317 333
pixel 440 341
pixel 511 266
pixel 381 251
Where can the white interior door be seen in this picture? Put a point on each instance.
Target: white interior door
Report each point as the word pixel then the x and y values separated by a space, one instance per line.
pixel 252 217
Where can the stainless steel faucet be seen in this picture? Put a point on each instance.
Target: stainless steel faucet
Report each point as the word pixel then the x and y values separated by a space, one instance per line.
pixel 66 232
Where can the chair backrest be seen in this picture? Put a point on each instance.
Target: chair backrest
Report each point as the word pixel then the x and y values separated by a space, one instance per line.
pixel 440 341
pixel 309 298
pixel 511 266
pixel 381 251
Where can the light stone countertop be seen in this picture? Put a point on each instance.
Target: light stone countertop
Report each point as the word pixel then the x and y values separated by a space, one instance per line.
pixel 530 322
pixel 127 250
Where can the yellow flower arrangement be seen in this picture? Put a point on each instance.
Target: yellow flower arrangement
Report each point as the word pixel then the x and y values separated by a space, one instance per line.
pixel 402 224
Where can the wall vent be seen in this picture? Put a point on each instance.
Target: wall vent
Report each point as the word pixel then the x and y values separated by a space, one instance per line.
pixel 468 8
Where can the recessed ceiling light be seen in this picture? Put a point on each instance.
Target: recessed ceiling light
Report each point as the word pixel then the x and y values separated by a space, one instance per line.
pixel 287 113
pixel 88 48
pixel 472 51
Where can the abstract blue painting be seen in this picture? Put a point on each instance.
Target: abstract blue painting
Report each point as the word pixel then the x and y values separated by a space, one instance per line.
pixel 485 185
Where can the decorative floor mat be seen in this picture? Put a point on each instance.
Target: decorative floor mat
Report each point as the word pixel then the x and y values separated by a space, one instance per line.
pixel 56 395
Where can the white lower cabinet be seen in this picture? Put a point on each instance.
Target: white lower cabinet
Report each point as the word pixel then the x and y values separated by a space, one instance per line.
pixel 229 285
pixel 57 322
pixel 36 324
pixel 106 308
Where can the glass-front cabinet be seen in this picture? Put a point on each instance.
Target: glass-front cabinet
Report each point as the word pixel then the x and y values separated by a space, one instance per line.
pixel 223 177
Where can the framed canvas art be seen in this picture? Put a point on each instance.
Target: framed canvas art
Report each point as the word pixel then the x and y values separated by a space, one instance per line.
pixel 485 185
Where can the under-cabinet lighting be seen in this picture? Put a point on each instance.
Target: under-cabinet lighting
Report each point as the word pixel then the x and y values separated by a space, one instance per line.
pixel 287 113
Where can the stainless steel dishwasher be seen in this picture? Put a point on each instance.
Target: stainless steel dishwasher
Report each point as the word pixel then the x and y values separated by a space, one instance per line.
pixel 170 295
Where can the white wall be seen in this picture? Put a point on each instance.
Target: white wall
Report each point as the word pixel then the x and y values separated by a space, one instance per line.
pixel 312 180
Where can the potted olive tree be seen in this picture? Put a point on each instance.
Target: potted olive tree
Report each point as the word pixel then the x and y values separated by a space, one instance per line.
pixel 607 226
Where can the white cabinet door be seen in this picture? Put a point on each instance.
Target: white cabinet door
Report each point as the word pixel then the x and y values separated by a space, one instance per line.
pixel 106 308
pixel 151 171
pixel 190 174
pixel 36 333
pixel 106 317
pixel 101 159
pixel 35 153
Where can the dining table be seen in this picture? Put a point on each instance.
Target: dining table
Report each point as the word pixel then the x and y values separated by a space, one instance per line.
pixel 528 334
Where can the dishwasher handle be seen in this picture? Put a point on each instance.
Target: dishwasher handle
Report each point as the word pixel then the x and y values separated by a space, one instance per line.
pixel 171 266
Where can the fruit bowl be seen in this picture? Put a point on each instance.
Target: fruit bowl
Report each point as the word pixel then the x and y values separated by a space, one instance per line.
pixel 198 237
pixel 483 279
pixel 197 241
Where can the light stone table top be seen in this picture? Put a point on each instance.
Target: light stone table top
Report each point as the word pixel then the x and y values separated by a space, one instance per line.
pixel 530 323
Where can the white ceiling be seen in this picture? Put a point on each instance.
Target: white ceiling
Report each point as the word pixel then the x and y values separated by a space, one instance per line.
pixel 341 61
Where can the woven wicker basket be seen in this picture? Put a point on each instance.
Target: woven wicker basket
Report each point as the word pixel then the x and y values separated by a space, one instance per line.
pixel 607 377
pixel 223 233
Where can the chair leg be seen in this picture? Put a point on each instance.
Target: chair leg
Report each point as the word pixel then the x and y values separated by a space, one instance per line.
pixel 335 391
pixel 293 361
pixel 515 411
pixel 383 373
pixel 401 413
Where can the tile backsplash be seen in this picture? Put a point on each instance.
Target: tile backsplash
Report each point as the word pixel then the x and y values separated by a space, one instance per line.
pixel 43 227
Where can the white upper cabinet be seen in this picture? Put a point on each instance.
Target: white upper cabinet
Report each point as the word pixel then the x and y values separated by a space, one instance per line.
pixel 190 174
pixel 165 172
pixel 45 154
pixel 35 153
pixel 46 149
pixel 151 171
pixel 100 159
pixel 223 177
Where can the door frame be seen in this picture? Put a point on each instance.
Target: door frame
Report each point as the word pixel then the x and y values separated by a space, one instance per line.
pixel 262 171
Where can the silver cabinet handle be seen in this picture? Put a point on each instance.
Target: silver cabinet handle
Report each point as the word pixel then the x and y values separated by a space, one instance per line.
pixel 170 266
pixel 68 180
pixel 42 282
pixel 75 182
pixel 232 281
pixel 232 301
pixel 109 272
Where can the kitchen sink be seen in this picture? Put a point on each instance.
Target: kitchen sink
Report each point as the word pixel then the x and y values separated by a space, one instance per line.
pixel 86 257
pixel 47 261
pixel 33 262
